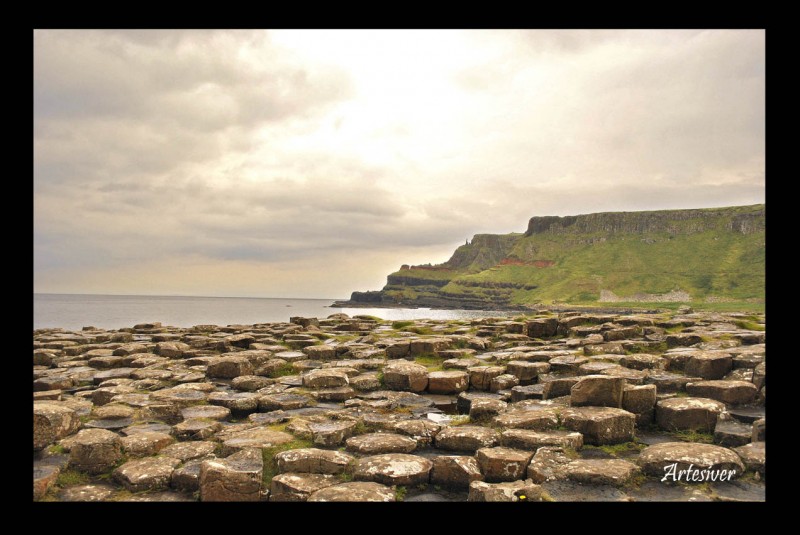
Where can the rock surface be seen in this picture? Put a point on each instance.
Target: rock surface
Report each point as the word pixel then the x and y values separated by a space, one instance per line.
pixel 485 409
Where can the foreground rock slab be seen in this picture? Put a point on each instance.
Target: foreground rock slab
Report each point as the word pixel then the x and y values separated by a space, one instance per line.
pixel 517 491
pixel 355 491
pixel 234 479
pixel 657 460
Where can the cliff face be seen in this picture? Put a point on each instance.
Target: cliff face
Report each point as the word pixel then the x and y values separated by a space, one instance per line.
pixel 712 254
pixel 743 219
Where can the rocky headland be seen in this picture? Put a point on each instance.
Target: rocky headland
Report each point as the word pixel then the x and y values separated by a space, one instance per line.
pixel 713 255
pixel 547 407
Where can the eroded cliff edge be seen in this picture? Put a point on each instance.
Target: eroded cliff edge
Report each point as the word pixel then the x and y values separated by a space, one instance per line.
pixel 698 255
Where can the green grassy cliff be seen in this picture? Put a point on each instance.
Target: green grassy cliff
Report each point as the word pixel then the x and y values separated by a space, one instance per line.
pixel 700 256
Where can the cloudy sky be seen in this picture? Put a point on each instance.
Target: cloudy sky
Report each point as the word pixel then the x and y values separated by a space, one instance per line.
pixel 314 163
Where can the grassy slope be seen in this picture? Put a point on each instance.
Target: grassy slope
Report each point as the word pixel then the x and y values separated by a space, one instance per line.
pixel 716 262
pixel 729 266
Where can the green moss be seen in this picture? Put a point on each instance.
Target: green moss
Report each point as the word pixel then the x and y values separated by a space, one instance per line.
pixel 616 450
pixel 750 325
pixel 282 371
pixel 56 449
pixel 360 428
pixel 460 420
pixel 693 436
pixel 401 324
pixel 430 361
pixel 400 493
pixel 71 477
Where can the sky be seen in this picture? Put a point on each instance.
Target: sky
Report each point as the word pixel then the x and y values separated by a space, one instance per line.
pixel 299 163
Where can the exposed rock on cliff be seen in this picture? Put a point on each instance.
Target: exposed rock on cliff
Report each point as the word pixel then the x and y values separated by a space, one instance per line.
pixel 714 255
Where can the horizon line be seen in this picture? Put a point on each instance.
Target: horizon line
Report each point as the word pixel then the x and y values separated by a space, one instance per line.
pixel 201 296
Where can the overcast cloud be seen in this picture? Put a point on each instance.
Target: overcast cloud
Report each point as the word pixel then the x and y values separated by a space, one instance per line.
pixel 313 163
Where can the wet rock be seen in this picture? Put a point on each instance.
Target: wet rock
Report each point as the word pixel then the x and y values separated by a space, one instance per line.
pixel 455 471
pixel 600 425
pixel 525 371
pixel 529 440
pixel 394 469
pixel 240 402
pixel 731 392
pixel 376 443
pixel 285 402
pixel 503 464
pixel 541 328
pixel 520 393
pixel 212 412
pixel 113 412
pixel 466 438
pixel 656 460
pixel 256 437
pixel 516 491
pixel 171 350
pixel 484 409
pixel 95 450
pixel 331 434
pixel 730 433
pixel 320 352
pixel 597 390
pixel 296 487
pixel 643 361
pixel 53 382
pixel 313 460
pixel 709 365
pixel 234 479
pixel 145 443
pixel 229 367
pixel 480 377
pixel 615 472
pixel 503 382
pixel 196 429
pixel 423 431
pixel 407 376
pixel 186 478
pixel 86 493
pixel 341 393
pixel 366 382
pixel 186 451
pixel 536 419
pixel 558 387
pixel 44 477
pixel 181 397
pixel 151 473
pixel 325 378
pixel 759 430
pixel 465 399
pixel 641 401
pixel 760 375
pixel 754 456
pixel 698 414
pixel 251 383
pixel 355 491
pixel 683 340
pixel 51 422
pixel 447 382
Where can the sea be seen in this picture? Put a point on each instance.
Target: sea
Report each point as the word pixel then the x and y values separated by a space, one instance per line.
pixel 75 311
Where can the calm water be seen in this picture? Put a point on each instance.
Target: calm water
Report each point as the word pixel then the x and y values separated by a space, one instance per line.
pixel 116 311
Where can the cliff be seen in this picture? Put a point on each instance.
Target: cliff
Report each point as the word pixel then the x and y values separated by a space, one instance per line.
pixel 703 255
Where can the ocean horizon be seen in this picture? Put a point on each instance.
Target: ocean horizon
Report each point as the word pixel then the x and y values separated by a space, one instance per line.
pixel 106 311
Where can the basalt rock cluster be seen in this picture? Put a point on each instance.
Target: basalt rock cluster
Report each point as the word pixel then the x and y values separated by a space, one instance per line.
pixel 569 406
